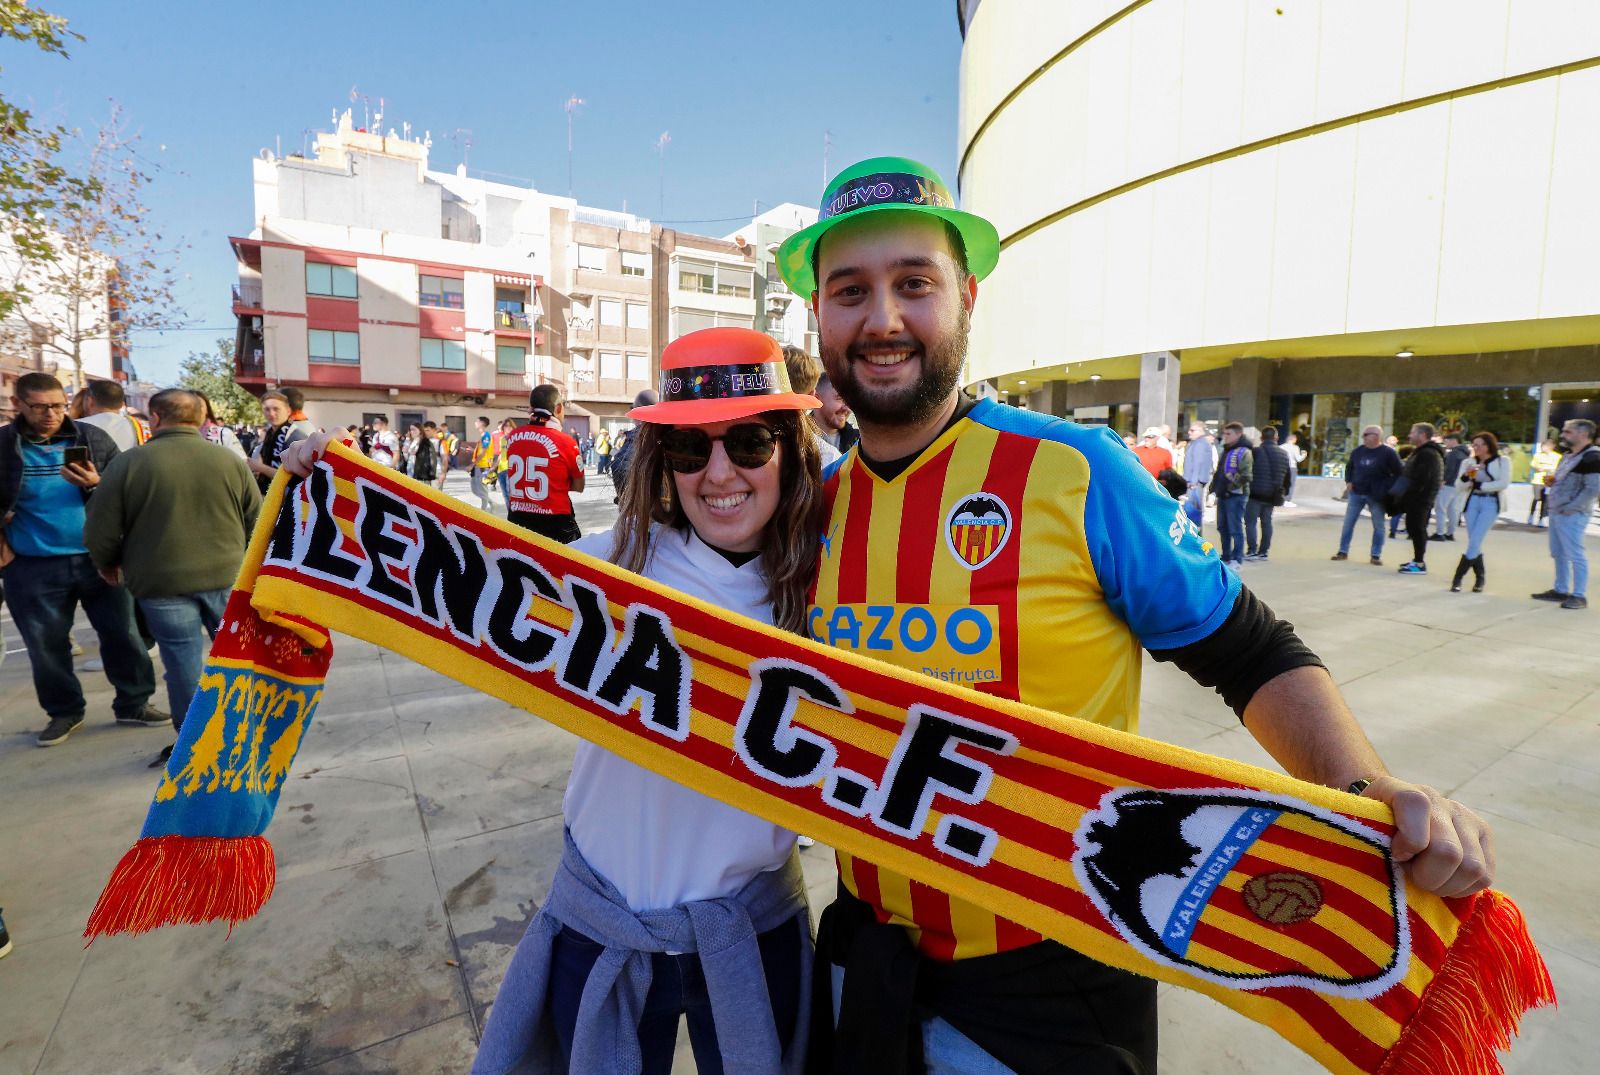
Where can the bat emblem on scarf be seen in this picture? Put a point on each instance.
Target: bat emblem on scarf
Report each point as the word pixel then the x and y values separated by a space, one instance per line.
pixel 1207 881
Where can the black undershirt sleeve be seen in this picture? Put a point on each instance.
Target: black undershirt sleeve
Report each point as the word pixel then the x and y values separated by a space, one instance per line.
pixel 1251 647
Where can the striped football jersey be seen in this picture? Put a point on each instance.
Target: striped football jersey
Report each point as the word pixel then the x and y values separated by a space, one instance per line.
pixel 1023 556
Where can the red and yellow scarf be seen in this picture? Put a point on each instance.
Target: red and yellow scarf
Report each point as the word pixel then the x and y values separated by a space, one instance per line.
pixel 1279 898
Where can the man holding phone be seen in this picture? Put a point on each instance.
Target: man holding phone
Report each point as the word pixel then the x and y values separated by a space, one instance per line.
pixel 49 466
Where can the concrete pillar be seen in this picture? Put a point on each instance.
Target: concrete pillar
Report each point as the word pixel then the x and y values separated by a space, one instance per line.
pixel 1158 390
pixel 1377 408
pixel 1250 391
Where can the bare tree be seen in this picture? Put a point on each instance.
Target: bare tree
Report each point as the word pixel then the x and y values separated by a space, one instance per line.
pixel 110 271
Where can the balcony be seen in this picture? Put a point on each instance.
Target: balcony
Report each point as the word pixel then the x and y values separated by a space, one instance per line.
pixel 247 295
pixel 251 365
pixel 512 321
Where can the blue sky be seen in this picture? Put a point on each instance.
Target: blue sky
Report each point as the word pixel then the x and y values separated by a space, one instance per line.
pixel 746 90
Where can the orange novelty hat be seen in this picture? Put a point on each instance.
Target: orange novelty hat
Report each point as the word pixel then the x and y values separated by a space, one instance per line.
pixel 719 374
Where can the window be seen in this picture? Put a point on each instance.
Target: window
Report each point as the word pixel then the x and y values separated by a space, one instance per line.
pixel 638 367
pixel 440 291
pixel 592 258
pixel 692 321
pixel 509 358
pixel 735 283
pixel 611 313
pixel 328 346
pixel 510 300
pixel 338 281
pixel 696 276
pixel 444 355
pixel 736 320
pixel 610 365
pixel 639 316
pixel 635 264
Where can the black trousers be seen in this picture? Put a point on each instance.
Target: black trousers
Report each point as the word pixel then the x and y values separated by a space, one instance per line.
pixel 1417 528
pixel 1040 1010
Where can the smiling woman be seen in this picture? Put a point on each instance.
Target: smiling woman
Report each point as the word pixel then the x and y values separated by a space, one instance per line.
pixel 723 501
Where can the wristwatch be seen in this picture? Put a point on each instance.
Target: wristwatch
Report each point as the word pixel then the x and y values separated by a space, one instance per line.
pixel 1359 787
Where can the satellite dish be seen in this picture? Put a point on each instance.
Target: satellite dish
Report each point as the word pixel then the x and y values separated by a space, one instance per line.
pixel 266 155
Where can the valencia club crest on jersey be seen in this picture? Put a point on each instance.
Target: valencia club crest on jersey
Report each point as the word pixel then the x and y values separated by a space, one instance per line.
pixel 977 528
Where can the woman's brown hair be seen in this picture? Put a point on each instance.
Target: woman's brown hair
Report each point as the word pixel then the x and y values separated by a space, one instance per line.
pixel 789 540
pixel 1491 441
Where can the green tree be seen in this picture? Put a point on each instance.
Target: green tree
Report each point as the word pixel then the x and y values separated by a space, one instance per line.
pixel 213 373
pixel 33 183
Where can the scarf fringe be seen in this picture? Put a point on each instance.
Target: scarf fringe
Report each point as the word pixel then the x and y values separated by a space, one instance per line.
pixel 1491 976
pixel 171 880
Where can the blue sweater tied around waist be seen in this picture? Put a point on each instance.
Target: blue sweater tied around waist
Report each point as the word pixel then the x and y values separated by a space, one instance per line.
pixel 722 932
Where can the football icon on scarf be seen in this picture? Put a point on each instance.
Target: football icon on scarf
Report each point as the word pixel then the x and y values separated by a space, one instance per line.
pixel 1247 889
pixel 977 528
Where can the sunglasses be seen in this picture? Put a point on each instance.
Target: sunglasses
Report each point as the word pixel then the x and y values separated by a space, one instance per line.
pixel 749 447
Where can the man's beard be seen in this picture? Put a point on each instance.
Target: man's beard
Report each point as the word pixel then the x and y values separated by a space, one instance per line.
pixel 916 403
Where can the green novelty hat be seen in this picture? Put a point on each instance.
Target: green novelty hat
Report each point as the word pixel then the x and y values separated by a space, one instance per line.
pixel 876 184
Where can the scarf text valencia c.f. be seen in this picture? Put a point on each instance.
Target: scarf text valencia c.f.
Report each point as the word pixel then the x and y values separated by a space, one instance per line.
pixel 1279 898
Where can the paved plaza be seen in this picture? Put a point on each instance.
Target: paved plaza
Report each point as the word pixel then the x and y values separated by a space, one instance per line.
pixel 422 821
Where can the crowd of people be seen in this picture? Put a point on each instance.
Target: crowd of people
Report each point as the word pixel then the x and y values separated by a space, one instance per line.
pixel 724 493
pixel 1429 487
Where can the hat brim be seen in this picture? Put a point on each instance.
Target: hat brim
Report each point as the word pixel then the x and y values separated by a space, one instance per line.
pixel 704 412
pixel 978 236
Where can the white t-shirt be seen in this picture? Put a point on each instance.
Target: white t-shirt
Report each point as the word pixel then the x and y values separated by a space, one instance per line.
pixel 385 446
pixel 118 425
pixel 658 842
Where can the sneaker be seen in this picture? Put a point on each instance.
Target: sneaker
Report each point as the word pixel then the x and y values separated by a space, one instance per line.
pixel 93 664
pixel 1290 504
pixel 163 757
pixel 1575 602
pixel 148 717
pixel 1413 568
pixel 1551 595
pixel 77 648
pixel 1376 561
pixel 1255 556
pixel 1436 537
pixel 58 729
pixel 5 938
pixel 1340 556
pixel 806 841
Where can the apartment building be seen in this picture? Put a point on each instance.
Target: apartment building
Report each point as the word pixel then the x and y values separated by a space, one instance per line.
pixel 703 283
pixel 46 334
pixel 609 329
pixel 779 312
pixel 379 287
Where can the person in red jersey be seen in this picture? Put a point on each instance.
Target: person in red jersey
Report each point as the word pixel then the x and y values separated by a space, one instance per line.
pixel 542 470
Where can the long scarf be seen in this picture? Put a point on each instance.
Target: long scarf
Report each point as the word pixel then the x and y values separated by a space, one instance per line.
pixel 1277 897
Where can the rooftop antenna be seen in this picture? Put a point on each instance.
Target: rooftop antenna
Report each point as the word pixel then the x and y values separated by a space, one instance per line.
pixel 366 107
pixel 462 137
pixel 827 144
pixel 571 106
pixel 661 151
pixel 377 117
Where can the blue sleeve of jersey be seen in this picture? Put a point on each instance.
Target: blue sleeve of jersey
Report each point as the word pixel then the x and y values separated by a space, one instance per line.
pixel 1159 575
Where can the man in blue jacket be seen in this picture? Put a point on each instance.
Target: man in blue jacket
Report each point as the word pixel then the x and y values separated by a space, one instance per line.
pixel 49 467
pixel 1372 468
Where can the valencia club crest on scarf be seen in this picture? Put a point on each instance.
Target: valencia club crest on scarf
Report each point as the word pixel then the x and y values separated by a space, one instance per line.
pixel 1216 883
pixel 977 528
